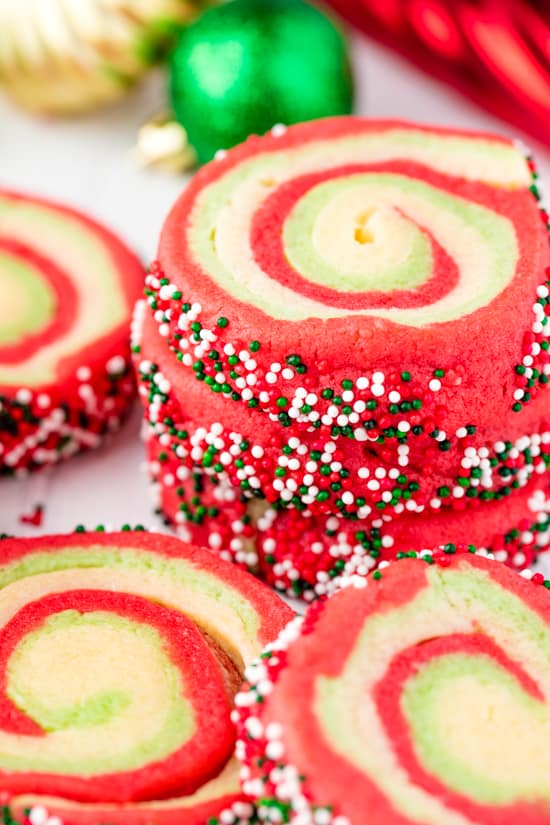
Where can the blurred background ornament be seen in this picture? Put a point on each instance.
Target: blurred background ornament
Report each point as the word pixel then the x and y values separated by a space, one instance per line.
pixel 246 65
pixel 162 143
pixel 66 56
pixel 497 52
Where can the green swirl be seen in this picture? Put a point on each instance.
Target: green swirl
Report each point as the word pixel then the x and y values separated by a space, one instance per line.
pixel 19 279
pixel 94 716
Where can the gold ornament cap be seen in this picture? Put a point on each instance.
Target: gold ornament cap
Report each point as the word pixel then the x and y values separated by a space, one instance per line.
pixel 162 143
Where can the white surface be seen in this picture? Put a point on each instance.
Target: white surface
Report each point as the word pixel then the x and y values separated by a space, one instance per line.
pixel 87 163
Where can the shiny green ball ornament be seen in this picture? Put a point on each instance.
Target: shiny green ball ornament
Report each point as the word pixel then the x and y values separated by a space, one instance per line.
pixel 246 65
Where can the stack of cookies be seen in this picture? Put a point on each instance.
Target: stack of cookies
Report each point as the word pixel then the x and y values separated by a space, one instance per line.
pixel 343 352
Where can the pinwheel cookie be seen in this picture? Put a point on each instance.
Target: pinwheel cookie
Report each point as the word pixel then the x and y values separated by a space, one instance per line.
pixel 365 304
pixel 328 473
pixel 372 282
pixel 68 288
pixel 420 696
pixel 307 555
pixel 120 657
pixel 236 489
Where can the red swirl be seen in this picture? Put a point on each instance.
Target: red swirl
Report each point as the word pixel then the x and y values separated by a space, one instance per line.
pixel 266 240
pixel 66 303
pixel 206 686
pixel 331 638
pixel 165 591
pixel 388 695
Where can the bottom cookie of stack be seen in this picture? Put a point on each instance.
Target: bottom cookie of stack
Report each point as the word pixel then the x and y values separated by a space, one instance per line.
pixel 305 555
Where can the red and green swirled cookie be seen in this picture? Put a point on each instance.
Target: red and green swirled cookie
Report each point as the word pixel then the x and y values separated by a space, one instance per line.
pixel 120 656
pixel 418 696
pixel 318 475
pixel 309 556
pixel 218 486
pixel 378 283
pixel 306 555
pixel 68 288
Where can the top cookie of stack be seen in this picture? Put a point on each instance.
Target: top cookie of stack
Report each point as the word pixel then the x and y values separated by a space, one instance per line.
pixel 363 304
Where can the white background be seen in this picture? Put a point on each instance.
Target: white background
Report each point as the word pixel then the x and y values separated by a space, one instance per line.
pixel 87 163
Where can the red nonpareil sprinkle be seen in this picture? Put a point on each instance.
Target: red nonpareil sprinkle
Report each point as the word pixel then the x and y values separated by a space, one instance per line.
pixel 34 518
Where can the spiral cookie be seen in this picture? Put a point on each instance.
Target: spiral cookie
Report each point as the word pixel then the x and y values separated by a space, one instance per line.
pixel 223 487
pixel 68 287
pixel 417 375
pixel 420 698
pixel 306 555
pixel 309 556
pixel 134 640
pixel 364 263
pixel 330 474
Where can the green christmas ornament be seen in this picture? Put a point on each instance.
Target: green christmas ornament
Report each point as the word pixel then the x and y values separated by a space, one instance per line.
pixel 248 64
